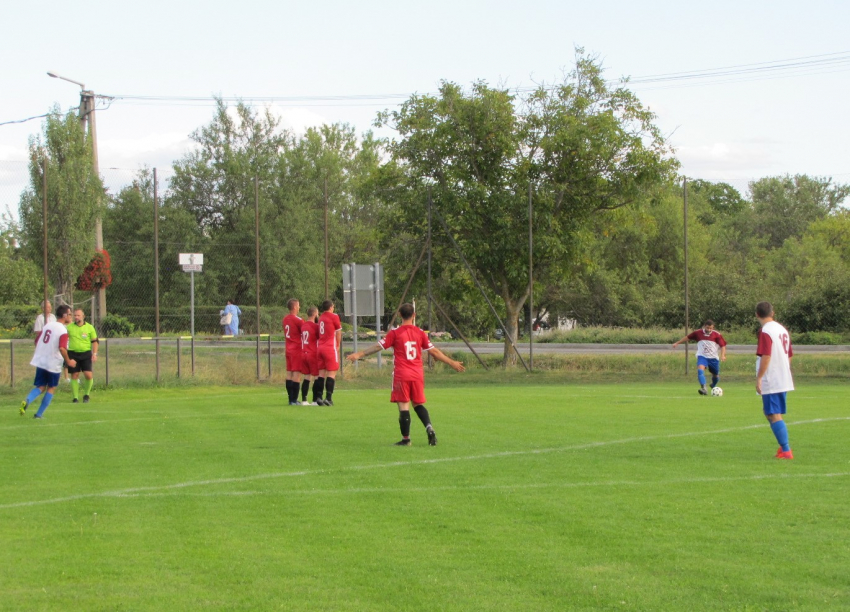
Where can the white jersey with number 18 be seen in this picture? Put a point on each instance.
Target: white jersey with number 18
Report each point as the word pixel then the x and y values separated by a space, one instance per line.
pixel 775 341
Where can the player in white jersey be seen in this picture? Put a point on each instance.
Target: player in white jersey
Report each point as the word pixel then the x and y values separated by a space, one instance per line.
pixel 51 353
pixel 773 374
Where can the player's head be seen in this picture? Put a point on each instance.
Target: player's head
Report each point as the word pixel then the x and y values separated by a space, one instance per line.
pixel 764 310
pixel 312 312
pixel 79 316
pixel 63 313
pixel 327 306
pixel 407 312
pixel 293 305
pixel 707 325
pixel 46 306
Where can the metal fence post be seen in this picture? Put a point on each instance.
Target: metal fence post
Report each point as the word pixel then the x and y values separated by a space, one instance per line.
pixel 106 358
pixel 193 355
pixel 11 363
pixel 178 356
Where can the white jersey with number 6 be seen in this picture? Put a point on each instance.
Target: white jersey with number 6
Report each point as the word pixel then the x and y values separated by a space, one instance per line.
pixel 47 356
pixel 775 341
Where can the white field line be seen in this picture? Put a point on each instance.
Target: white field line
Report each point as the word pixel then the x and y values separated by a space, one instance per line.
pixel 378 466
pixel 161 417
pixel 498 487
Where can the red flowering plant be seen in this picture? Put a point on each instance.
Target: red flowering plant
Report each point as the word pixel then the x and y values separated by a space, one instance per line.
pixel 97 274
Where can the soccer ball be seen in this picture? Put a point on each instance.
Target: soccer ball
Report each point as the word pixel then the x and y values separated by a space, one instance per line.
pixel 717 392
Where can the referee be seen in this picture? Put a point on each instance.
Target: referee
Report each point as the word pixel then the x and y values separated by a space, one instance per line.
pixel 82 347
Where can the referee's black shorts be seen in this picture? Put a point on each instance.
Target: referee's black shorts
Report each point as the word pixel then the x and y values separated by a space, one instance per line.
pixel 83 361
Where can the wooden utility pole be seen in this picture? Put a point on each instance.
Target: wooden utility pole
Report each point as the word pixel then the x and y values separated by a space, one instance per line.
pixel 88 120
pixel 687 293
pixel 326 238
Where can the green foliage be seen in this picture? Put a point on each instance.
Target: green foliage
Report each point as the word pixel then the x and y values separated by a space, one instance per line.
pixel 115 326
pixel 585 147
pixel 75 199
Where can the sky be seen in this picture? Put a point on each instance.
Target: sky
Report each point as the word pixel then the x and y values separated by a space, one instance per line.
pixel 733 129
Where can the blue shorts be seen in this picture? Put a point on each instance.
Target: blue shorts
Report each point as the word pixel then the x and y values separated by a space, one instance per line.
pixel 43 378
pixel 713 365
pixel 773 403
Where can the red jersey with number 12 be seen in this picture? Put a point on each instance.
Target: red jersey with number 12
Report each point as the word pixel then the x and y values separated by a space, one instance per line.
pixel 310 337
pixel 408 343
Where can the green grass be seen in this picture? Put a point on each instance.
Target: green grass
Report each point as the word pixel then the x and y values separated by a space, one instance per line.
pixel 640 496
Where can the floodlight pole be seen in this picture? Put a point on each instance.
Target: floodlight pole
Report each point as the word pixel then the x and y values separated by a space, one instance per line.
pixel 530 284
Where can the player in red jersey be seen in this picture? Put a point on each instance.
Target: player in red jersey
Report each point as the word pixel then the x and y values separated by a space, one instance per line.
pixel 408 342
pixel 711 350
pixel 309 362
pixel 294 353
pixel 330 339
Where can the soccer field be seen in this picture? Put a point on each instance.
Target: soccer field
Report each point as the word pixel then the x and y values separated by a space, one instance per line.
pixel 573 497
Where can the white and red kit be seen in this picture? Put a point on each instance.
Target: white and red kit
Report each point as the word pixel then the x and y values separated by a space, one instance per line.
pixel 310 346
pixel 328 355
pixel 408 343
pixel 292 333
pixel 775 341
pixel 50 339
pixel 708 345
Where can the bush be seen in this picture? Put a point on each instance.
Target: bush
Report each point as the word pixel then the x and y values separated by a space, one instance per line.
pixel 115 326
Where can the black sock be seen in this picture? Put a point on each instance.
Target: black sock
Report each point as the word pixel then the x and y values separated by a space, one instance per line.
pixel 318 388
pixel 289 385
pixel 422 413
pixel 305 386
pixel 404 423
pixel 329 387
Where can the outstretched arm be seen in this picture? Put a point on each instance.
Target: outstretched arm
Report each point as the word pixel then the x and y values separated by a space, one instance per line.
pixel 679 341
pixel 441 356
pixel 375 348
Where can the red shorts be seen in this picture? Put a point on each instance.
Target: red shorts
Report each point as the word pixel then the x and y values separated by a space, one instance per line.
pixel 327 359
pixel 293 361
pixel 309 365
pixel 408 391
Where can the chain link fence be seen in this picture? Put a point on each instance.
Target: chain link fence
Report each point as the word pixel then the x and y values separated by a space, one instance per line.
pixel 293 264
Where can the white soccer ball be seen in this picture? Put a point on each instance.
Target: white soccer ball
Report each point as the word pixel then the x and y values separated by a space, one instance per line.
pixel 717 391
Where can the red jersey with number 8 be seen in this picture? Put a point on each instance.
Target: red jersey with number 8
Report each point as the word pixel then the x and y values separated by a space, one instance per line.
pixel 408 343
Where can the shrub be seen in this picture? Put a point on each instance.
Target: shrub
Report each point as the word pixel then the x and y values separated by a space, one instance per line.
pixel 115 325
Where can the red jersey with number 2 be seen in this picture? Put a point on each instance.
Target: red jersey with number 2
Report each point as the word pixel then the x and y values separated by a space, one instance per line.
pixel 408 343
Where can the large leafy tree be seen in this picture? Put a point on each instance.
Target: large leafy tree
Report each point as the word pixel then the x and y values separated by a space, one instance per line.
pixel 784 206
pixel 585 147
pixel 75 199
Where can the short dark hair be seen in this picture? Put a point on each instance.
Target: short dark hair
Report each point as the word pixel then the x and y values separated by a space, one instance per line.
pixel 764 309
pixel 62 311
pixel 312 312
pixel 707 322
pixel 406 311
pixel 327 305
pixel 291 303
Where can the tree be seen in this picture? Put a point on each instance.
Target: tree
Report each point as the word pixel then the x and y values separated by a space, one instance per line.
pixel 584 146
pixel 75 199
pixel 784 206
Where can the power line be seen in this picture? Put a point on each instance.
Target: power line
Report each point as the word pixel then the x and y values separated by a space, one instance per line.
pixel 827 63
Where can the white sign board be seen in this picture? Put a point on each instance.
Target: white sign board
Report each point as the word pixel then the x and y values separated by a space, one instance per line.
pixel 193 268
pixel 191 259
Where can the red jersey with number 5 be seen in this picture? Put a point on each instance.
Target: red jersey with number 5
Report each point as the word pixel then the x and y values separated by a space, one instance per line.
pixel 408 343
